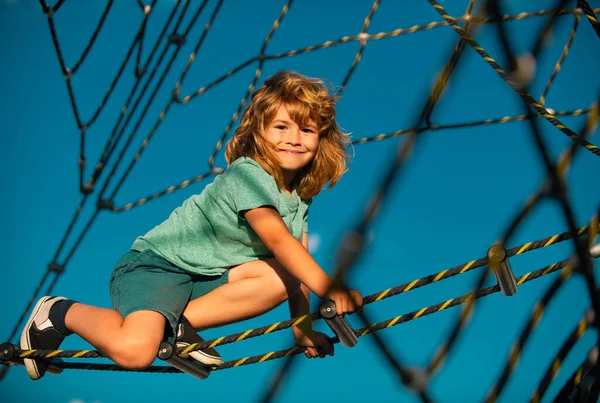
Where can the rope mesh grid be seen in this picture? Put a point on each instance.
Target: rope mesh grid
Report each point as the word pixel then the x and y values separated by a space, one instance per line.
pixel 351 248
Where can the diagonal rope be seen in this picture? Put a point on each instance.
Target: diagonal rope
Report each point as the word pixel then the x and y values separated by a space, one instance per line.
pixel 557 362
pixel 257 74
pixel 363 42
pixel 588 365
pixel 517 347
pixel 558 191
pixel 515 86
pixel 561 60
pixel 445 348
pixel 383 35
pixel 589 13
pixel 113 140
pixel 165 110
pixel 54 267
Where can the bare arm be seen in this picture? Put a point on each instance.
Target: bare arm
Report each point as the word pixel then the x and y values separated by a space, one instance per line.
pixel 288 251
pixel 294 257
pixel 300 302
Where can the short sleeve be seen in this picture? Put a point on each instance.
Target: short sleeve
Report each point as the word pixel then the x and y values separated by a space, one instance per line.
pixel 250 186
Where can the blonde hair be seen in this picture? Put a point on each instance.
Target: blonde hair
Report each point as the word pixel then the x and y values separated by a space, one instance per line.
pixel 304 98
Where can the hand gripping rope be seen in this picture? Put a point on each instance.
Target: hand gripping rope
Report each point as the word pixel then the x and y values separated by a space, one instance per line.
pixel 338 324
pixel 342 329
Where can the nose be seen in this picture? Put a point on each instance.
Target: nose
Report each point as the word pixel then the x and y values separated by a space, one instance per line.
pixel 293 136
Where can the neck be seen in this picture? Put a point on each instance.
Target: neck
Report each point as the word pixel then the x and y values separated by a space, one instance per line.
pixel 288 180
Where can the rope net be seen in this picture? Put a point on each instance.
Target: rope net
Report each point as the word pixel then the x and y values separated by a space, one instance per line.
pixel 151 72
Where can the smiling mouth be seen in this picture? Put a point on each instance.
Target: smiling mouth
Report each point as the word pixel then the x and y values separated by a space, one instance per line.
pixel 290 151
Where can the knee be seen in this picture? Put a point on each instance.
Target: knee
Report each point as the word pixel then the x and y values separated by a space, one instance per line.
pixel 134 352
pixel 281 282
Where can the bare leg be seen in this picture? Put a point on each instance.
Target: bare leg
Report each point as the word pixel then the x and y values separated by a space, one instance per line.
pixel 131 342
pixel 253 289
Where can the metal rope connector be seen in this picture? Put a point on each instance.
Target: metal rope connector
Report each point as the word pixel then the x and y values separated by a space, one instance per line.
pixel 86 188
pixel 525 70
pixel 140 71
pixel 498 262
pixel 177 39
pixel 105 204
pixel 419 379
pixel 339 325
pixel 168 353
pixel 56 268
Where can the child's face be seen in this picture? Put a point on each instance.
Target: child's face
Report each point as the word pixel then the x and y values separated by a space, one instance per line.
pixel 295 145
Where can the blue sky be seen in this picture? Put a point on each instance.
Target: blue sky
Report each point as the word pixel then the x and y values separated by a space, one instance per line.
pixel 452 201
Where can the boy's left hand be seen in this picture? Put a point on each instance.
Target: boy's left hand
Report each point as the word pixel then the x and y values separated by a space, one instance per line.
pixel 317 344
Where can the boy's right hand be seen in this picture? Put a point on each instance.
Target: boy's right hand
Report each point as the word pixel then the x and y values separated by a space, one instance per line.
pixel 345 301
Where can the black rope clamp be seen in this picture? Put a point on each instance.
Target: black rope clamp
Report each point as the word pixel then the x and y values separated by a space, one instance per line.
pixel 339 325
pixel 7 352
pixel 498 262
pixel 168 353
pixel 554 190
pixel 176 93
pixel 86 188
pixel 9 356
pixel 177 39
pixel 46 9
pixel 105 204
pixel 56 268
pixel 140 71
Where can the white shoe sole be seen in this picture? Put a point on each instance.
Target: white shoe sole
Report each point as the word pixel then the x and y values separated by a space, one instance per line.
pixel 202 357
pixel 30 364
pixel 205 359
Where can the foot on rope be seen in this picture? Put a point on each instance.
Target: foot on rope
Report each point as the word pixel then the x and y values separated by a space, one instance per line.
pixel 186 335
pixel 40 334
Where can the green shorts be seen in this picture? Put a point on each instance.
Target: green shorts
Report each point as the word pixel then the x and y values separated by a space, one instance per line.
pixel 147 281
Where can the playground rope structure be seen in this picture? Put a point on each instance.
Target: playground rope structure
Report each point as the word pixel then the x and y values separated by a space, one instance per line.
pixel 517 75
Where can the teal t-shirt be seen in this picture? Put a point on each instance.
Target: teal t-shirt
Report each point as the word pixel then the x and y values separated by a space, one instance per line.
pixel 207 235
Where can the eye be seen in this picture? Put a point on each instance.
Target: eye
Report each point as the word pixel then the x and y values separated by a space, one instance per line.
pixel 281 127
pixel 308 130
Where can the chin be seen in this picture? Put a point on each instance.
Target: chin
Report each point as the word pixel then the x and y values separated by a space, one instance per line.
pixel 291 168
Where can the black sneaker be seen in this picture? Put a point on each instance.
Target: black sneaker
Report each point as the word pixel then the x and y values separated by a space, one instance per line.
pixel 186 335
pixel 39 334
